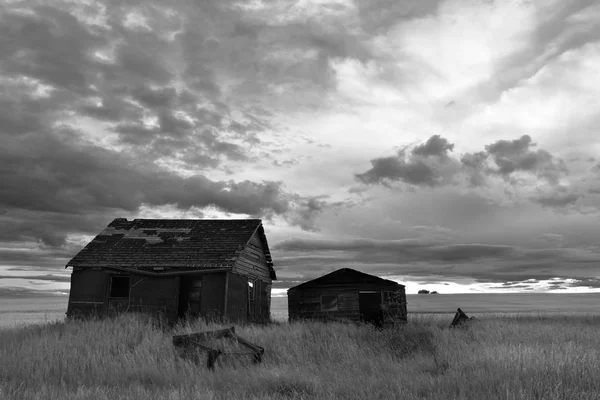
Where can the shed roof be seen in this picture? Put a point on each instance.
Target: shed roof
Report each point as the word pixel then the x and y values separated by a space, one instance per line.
pixel 345 276
pixel 173 243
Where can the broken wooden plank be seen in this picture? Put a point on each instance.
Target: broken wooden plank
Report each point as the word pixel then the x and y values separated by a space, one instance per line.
pixel 460 318
pixel 189 341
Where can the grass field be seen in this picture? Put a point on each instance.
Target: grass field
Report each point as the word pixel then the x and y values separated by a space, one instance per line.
pixel 500 356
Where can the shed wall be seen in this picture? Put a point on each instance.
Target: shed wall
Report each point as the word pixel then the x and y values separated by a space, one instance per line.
pixel 305 302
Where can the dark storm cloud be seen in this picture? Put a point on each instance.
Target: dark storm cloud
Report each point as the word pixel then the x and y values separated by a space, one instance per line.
pixel 47 228
pixel 559 199
pixel 47 277
pixel 63 174
pixel 307 212
pixel 308 245
pixel 427 164
pixel 50 45
pixel 55 48
pixel 394 250
pixel 304 211
pixel 398 169
pixel 511 156
pixel 431 164
pixel 434 146
pixel 474 164
pixel 37 258
pixel 56 183
pixel 18 292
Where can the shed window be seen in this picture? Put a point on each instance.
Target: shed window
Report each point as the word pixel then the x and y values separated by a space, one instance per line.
pixel 329 302
pixel 119 286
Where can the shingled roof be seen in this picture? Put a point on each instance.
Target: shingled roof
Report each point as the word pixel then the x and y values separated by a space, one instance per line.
pixel 171 243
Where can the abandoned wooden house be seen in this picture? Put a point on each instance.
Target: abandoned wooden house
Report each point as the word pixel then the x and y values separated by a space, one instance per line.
pixel 175 268
pixel 348 294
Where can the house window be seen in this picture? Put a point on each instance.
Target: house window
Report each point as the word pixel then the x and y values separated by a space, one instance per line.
pixel 251 295
pixel 329 302
pixel 119 286
pixel 251 289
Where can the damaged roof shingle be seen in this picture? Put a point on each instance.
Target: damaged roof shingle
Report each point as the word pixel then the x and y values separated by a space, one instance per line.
pixel 179 243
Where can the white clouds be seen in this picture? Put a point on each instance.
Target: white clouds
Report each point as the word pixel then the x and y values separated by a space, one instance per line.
pixel 461 46
pixel 553 105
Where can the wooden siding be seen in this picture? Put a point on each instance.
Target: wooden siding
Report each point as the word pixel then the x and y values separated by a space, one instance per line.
pixel 213 295
pixel 306 303
pixel 87 296
pixel 154 295
pixel 237 297
pixel 252 261
pixel 261 314
pixel 88 286
pixel 159 295
pixel 395 305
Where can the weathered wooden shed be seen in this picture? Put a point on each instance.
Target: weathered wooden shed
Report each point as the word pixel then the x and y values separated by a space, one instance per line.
pixel 348 294
pixel 175 268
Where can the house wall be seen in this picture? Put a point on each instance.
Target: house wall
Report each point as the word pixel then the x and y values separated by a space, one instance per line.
pixel 237 297
pixel 88 292
pixel 252 264
pixel 252 260
pixel 213 295
pixel 90 295
pixel 305 302
pixel 264 302
pixel 153 295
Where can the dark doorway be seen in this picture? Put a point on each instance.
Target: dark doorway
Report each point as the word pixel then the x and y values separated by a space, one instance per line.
pixel 369 305
pixel 190 296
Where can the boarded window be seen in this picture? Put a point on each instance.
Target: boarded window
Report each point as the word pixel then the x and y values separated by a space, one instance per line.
pixel 329 302
pixel 119 286
pixel 347 301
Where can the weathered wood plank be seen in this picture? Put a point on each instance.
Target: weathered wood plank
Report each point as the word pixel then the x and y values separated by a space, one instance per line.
pixel 248 266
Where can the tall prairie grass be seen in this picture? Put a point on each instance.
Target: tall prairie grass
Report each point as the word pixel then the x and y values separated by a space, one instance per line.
pixel 524 356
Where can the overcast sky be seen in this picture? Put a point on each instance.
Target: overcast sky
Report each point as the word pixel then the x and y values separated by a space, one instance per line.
pixel 449 145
